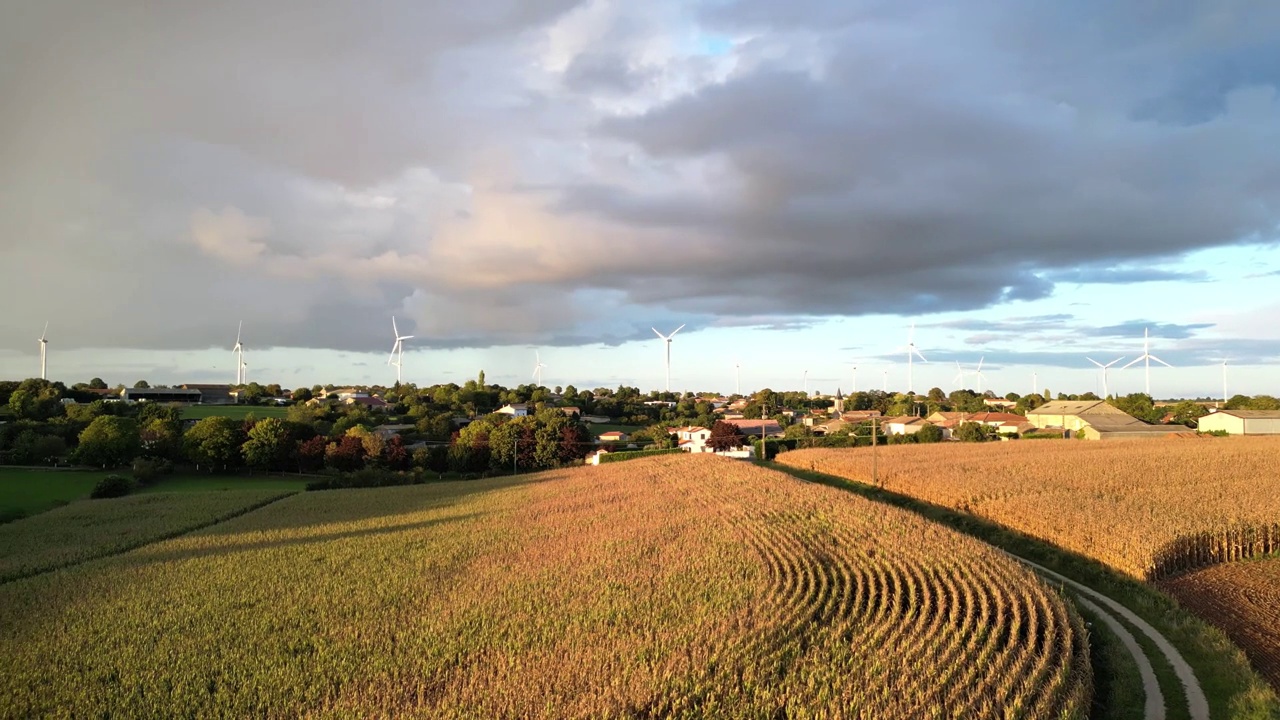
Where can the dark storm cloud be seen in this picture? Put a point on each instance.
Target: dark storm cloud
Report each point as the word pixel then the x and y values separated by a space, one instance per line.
pixel 1124 276
pixel 555 171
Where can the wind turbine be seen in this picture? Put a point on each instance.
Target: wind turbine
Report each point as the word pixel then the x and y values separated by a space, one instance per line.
pixel 239 351
pixel 979 374
pixel 44 350
pixel 667 338
pixel 806 383
pixel 854 388
pixel 737 377
pixel 537 369
pixel 959 378
pixel 1224 382
pixel 397 350
pixel 244 373
pixel 1035 383
pixel 1106 392
pixel 912 351
pixel 885 385
pixel 1146 355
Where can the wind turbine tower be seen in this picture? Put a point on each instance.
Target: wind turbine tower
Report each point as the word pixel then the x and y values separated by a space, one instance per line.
pixel 239 351
pixel 537 368
pixel 397 350
pixel 1106 391
pixel 805 383
pixel 1148 357
pixel 911 352
pixel 667 339
pixel 1224 382
pixel 854 388
pixel 44 352
pixel 737 377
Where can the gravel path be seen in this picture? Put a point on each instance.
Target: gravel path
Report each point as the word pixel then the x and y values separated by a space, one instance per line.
pixel 1196 702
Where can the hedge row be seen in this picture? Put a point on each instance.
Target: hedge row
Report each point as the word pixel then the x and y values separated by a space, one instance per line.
pixel 634 454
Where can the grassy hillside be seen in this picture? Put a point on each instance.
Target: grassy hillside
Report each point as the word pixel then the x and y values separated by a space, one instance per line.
pixel 672 586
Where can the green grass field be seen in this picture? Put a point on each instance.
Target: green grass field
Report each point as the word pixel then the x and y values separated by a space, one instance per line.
pixel 238 412
pixel 598 430
pixel 28 492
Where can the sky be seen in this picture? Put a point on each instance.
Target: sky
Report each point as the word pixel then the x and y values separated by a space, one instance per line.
pixel 797 184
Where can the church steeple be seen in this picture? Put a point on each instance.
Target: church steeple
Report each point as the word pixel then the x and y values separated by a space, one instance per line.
pixel 838 409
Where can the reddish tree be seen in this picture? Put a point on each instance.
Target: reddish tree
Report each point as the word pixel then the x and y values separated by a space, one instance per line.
pixel 395 454
pixel 724 436
pixel 310 454
pixel 346 455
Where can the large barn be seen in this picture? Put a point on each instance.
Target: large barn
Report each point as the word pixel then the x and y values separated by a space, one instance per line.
pixel 1242 422
pixel 1097 420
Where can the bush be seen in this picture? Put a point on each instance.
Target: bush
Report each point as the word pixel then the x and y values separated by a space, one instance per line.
pixel 146 471
pixel 112 486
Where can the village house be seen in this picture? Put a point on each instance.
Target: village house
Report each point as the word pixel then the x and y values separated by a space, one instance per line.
pixel 1242 422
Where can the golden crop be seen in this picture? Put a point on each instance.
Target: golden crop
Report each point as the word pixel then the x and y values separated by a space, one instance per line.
pixel 663 587
pixel 1149 508
pixel 93 528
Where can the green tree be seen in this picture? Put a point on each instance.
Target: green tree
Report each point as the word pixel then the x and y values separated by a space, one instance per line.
pixel 930 433
pixel 1188 412
pixel 109 441
pixel 36 399
pixel 973 432
pixel 214 442
pixel 268 445
pixel 161 438
pixel 97 384
pixel 302 395
pixel 141 385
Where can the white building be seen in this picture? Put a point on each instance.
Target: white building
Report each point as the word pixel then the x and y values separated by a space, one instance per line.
pixel 514 410
pixel 692 438
pixel 1242 422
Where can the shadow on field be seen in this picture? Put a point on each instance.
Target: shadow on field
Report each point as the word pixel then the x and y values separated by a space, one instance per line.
pixel 161 553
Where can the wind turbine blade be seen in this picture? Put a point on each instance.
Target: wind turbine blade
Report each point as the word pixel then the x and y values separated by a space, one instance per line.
pixel 1095 362
pixel 239 328
pixel 1153 357
pixel 655 332
pixel 405 337
pixel 673 332
pixel 980 361
pixel 45 332
pixel 1113 362
pixel 917 352
pixel 395 330
pixel 1131 362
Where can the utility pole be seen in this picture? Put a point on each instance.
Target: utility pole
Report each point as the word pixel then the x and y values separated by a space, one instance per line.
pixel 875 454
pixel 515 455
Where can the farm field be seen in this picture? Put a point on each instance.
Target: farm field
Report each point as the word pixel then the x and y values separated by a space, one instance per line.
pixel 1146 508
pixel 93 528
pixel 1243 600
pixel 237 412
pixel 35 491
pixel 669 586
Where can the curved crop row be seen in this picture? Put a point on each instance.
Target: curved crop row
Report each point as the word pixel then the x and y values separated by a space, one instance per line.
pixel 1147 508
pixel 664 587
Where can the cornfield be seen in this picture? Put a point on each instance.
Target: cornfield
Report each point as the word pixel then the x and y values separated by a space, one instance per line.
pixel 663 587
pixel 93 528
pixel 1149 508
